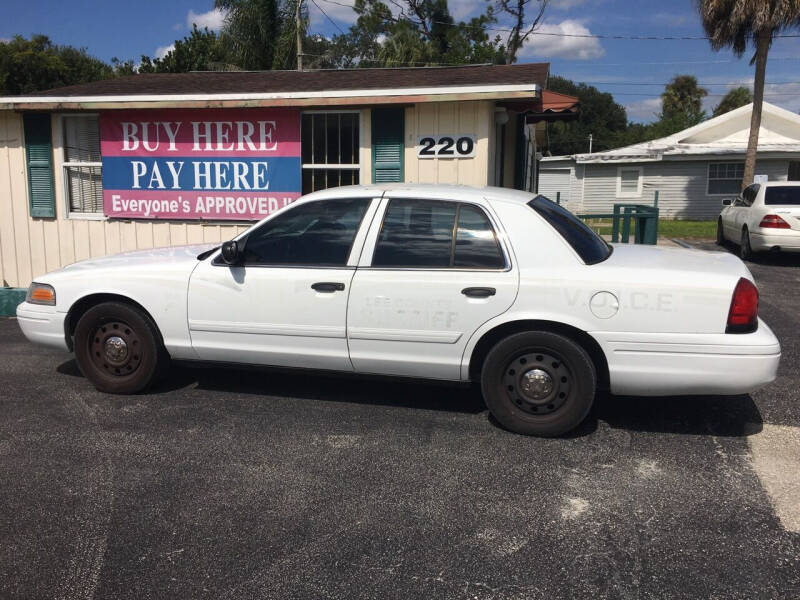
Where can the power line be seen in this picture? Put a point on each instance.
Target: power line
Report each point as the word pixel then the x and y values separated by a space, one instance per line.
pixel 742 83
pixel 335 24
pixel 602 36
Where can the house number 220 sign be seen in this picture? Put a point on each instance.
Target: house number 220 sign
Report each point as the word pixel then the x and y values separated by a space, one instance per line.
pixel 446 146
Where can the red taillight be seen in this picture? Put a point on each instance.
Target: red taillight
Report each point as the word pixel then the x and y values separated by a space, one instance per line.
pixel 743 315
pixel 774 222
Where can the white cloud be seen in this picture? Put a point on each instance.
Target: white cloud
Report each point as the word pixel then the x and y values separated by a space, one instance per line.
pixel 566 4
pixel 644 110
pixel 5 40
pixel 341 13
pixel 462 10
pixel 555 46
pixel 213 19
pixel 162 51
pixel 178 27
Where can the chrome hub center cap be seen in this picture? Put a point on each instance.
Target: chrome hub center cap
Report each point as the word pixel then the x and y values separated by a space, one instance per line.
pixel 115 348
pixel 536 384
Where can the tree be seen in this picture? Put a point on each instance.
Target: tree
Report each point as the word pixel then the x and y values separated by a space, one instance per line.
pixel 682 101
pixel 251 32
pixel 37 64
pixel 201 50
pixel 521 29
pixel 737 24
pixel 599 115
pixel 738 96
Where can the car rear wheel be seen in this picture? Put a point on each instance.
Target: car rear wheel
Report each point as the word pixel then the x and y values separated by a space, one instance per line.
pixel 720 234
pixel 118 348
pixel 745 250
pixel 538 383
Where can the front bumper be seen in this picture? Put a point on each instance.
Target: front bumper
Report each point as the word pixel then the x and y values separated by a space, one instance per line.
pixel 788 240
pixel 691 364
pixel 42 325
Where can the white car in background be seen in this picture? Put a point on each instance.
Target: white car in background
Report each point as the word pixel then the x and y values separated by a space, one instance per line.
pixel 764 217
pixel 438 282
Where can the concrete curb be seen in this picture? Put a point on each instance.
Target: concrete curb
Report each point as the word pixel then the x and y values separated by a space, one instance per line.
pixel 9 299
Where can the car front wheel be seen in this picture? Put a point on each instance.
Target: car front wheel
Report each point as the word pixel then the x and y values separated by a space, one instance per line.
pixel 118 348
pixel 538 383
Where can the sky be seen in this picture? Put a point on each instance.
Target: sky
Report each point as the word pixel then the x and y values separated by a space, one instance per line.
pixel 634 71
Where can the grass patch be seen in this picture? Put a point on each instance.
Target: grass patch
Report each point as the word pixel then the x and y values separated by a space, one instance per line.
pixel 687 229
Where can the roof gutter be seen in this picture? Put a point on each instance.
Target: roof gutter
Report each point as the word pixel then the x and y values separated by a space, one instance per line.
pixel 248 100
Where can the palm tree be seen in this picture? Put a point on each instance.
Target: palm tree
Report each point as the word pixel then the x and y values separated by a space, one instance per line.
pixel 734 24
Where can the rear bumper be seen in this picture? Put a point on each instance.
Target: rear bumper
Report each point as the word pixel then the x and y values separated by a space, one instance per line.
pixel 690 364
pixel 787 240
pixel 42 325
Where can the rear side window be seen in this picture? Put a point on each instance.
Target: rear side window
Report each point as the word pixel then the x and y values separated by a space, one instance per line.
pixel 782 195
pixel 420 234
pixel 590 247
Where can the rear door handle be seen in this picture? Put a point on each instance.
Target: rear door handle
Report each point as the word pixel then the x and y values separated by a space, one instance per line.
pixel 328 286
pixel 479 292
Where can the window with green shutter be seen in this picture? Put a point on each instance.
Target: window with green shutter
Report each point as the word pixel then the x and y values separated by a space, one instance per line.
pixel 39 159
pixel 388 132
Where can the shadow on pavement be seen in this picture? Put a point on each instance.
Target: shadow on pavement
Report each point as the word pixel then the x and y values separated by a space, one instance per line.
pixel 726 416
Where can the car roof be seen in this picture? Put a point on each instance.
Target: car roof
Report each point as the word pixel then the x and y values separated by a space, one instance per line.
pixel 780 183
pixel 423 190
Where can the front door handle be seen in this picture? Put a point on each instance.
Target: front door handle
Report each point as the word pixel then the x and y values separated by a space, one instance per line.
pixel 479 292
pixel 327 286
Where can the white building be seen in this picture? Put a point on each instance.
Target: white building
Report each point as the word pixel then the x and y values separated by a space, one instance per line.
pixel 692 170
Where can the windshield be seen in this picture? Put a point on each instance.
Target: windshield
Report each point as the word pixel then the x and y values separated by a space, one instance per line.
pixel 782 195
pixel 590 247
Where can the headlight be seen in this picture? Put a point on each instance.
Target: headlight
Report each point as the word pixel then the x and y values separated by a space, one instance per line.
pixel 41 293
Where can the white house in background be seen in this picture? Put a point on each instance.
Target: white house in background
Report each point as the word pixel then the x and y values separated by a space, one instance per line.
pixel 692 170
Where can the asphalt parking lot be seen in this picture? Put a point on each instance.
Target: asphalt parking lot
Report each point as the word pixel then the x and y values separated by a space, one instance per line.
pixel 230 484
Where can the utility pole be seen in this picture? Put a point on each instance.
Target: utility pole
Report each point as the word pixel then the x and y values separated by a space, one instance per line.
pixel 590 143
pixel 299 31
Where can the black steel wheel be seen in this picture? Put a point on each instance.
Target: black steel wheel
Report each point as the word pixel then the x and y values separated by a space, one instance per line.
pixel 745 250
pixel 538 383
pixel 118 348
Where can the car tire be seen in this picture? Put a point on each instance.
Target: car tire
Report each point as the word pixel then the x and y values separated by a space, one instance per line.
pixel 118 348
pixel 720 233
pixel 538 383
pixel 745 249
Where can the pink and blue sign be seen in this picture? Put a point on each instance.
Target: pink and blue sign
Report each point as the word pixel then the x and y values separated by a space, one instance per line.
pixel 240 164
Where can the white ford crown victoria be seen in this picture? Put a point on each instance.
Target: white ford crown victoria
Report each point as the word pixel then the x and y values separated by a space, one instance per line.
pixel 435 282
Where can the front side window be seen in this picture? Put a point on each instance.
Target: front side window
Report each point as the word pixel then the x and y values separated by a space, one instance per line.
pixel 309 234
pixel 330 150
pixel 437 234
pixel 83 173
pixel 749 194
pixel 590 247
pixel 725 178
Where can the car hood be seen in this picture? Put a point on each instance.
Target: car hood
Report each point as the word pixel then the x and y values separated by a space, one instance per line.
pixel 155 258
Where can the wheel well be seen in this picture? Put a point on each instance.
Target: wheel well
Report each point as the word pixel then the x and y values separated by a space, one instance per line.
pixel 78 309
pixel 583 339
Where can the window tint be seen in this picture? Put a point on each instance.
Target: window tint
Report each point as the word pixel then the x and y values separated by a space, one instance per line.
pixel 476 244
pixel 313 233
pixel 589 246
pixel 749 194
pixel 416 233
pixel 783 195
pixel 419 233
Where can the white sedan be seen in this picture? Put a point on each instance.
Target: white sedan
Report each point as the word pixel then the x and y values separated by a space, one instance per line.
pixel 764 217
pixel 434 282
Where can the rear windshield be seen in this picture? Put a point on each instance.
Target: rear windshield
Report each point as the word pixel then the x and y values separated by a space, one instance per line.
pixel 589 246
pixel 782 195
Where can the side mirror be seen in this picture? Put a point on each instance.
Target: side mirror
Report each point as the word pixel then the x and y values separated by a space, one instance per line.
pixel 231 253
pixel 726 202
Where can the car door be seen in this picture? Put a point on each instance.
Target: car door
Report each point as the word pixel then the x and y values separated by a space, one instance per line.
pixel 432 272
pixel 286 304
pixel 729 215
pixel 746 211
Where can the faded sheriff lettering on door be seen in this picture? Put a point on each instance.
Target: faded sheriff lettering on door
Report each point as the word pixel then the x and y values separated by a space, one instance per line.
pixel 239 164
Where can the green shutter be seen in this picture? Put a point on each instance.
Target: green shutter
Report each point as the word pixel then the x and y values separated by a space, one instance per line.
pixel 39 157
pixel 388 132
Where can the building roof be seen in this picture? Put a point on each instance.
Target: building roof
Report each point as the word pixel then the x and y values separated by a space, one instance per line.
pixel 275 88
pixel 724 135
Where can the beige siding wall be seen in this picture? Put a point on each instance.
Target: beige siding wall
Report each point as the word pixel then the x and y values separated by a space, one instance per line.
pixel 30 247
pixel 441 118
